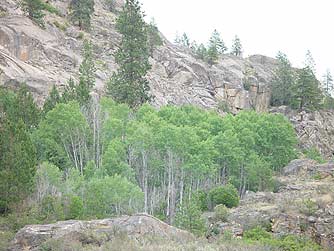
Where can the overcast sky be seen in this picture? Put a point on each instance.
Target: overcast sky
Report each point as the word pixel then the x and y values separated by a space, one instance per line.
pixel 264 26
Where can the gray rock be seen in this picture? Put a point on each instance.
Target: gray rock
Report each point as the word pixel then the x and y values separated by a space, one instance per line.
pixel 296 166
pixel 137 226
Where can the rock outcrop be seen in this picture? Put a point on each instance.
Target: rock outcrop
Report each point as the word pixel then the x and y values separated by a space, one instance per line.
pixel 43 57
pixel 314 129
pixel 303 205
pixel 135 227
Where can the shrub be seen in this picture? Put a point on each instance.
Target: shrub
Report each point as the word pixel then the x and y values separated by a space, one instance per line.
pixel 226 195
pixel 189 217
pixel 201 199
pixel 256 234
pixel 221 213
pixel 308 207
pixel 75 208
pixel 313 153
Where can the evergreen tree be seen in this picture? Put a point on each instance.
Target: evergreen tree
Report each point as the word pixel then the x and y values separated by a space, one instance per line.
pixel 81 12
pixel 183 40
pixel 17 153
pixel 281 85
pixel 307 94
pixel 52 100
pixel 27 109
pixel 217 42
pixel 34 10
pixel 129 84
pixel 69 93
pixel 216 47
pixel 87 74
pixel 236 47
pixel 328 83
pixel 153 36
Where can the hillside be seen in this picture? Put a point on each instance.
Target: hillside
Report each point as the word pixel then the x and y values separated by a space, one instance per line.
pixel 207 164
pixel 43 57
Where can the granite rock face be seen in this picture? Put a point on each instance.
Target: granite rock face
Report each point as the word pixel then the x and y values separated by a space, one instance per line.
pixel 137 226
pixel 303 205
pixel 43 57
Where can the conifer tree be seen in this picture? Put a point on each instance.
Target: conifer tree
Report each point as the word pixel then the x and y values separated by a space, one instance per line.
pixel 281 85
pixel 81 13
pixel 307 94
pixel 87 74
pixel 153 36
pixel 216 47
pixel 52 100
pixel 129 84
pixel 328 83
pixel 236 47
pixel 34 10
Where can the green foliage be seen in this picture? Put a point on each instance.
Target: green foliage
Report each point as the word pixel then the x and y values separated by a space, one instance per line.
pixel 62 135
pixel 221 213
pixel 52 100
pixel 226 195
pixel 201 198
pixel 283 82
pixel 236 49
pixel 313 153
pixel 87 74
pixel 17 152
pixel 216 47
pixel 306 92
pixel 285 243
pixel 129 84
pixel 189 218
pixel 75 208
pixel 183 40
pixel 111 196
pixel 81 11
pixel 34 10
pixel 308 207
pixel 153 37
pixel 257 234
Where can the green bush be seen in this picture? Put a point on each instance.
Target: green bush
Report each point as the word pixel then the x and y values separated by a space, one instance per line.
pixel 51 209
pixel 308 207
pixel 313 153
pixel 221 212
pixel 75 210
pixel 226 195
pixel 189 217
pixel 256 234
pixel 201 199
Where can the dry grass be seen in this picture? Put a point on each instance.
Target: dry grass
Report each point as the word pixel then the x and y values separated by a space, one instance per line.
pixel 123 243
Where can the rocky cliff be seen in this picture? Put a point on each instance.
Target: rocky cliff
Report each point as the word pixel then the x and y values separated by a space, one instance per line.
pixel 303 204
pixel 43 57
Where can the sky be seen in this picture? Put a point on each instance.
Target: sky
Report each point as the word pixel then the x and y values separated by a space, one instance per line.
pixel 264 26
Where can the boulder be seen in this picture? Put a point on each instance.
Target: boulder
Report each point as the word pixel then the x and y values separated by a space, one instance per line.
pixel 137 226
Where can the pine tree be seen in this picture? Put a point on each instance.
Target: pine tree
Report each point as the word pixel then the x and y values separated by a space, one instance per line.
pixel 307 94
pixel 183 40
pixel 34 10
pixel 128 84
pixel 87 74
pixel 81 12
pixel 52 100
pixel 328 83
pixel 217 42
pixel 153 36
pixel 281 85
pixel 27 109
pixel 236 47
pixel 69 93
pixel 216 47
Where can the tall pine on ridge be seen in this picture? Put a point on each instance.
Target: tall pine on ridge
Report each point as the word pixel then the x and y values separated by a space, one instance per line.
pixel 129 84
